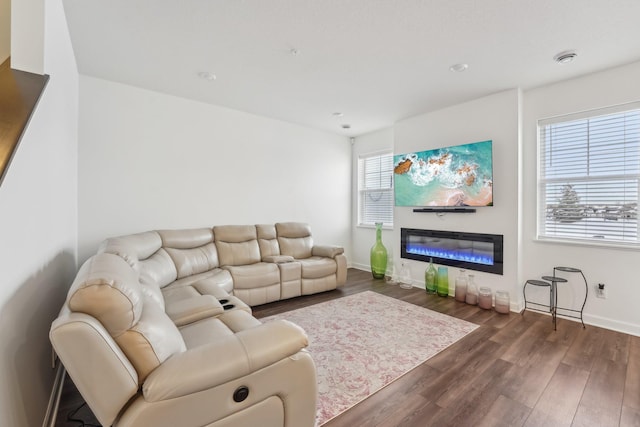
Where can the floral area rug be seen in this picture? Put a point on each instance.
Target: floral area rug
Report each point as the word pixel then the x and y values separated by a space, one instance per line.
pixel 362 342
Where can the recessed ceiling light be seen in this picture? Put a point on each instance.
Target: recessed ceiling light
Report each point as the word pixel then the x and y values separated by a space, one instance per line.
pixel 346 126
pixel 458 68
pixel 337 114
pixel 565 57
pixel 293 51
pixel 207 75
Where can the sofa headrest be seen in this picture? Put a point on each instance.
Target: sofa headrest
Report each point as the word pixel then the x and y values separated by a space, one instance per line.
pixel 107 288
pixel 134 247
pixel 186 239
pixel 192 251
pixel 235 233
pixel 144 252
pixel 293 229
pixel 266 231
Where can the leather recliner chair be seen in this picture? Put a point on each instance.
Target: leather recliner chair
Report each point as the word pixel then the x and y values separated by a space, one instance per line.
pixel 206 364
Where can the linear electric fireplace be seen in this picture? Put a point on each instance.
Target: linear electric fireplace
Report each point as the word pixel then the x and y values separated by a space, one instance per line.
pixel 473 251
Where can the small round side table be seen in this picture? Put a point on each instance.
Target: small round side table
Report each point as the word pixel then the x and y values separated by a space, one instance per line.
pixel 586 293
pixel 554 292
pixel 550 308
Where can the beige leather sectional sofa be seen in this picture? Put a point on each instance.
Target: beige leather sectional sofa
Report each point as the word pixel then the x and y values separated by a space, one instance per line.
pixel 157 327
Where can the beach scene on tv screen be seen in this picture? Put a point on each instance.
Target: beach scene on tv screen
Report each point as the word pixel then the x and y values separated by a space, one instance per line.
pixel 460 175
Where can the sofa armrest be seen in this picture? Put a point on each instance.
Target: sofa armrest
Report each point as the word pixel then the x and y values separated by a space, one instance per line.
pixel 226 359
pixel 327 251
pixel 193 309
pixel 278 259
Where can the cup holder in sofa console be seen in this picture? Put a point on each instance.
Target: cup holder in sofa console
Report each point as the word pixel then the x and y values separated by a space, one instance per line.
pixel 224 301
pixel 228 306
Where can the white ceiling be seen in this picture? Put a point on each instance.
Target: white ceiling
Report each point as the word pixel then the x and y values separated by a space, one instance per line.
pixel 375 61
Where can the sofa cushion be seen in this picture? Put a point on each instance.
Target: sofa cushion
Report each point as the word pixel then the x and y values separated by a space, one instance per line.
pixel 237 244
pixel 204 332
pixel 175 294
pixel 210 330
pixel 193 261
pixel 159 269
pixel 192 251
pixel 153 293
pixel 316 267
pixel 239 320
pixel 254 275
pixel 143 252
pixel 268 241
pixel 294 239
pixel 151 341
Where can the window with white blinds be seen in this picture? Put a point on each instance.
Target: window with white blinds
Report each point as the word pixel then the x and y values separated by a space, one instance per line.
pixel 589 175
pixel 375 189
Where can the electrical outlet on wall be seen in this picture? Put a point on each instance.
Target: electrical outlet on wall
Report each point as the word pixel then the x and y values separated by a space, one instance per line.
pixel 601 292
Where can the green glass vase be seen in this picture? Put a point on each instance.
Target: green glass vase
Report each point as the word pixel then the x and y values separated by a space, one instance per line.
pixel 430 278
pixel 378 255
pixel 443 282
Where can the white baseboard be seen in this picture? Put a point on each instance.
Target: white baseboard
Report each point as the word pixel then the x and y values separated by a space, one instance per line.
pixel 54 399
pixel 359 266
pixel 517 306
pixel 614 325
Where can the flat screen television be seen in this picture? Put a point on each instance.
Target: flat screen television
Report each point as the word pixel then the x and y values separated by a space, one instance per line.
pixel 460 175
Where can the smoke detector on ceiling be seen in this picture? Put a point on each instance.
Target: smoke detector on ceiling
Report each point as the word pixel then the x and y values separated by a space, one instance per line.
pixel 458 68
pixel 207 75
pixel 565 57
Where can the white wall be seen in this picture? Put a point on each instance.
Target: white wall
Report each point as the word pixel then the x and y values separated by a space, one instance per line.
pixel 507 118
pixel 363 237
pixel 38 218
pixel 617 268
pixel 5 29
pixel 494 117
pixel 27 35
pixel 149 160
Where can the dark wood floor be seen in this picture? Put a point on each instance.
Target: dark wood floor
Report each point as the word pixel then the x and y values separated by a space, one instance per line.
pixel 514 370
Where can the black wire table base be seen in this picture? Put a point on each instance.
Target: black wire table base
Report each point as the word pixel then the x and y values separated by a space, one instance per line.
pixel 551 282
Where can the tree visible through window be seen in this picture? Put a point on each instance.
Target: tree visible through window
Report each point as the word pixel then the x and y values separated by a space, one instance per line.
pixel 568 208
pixel 589 176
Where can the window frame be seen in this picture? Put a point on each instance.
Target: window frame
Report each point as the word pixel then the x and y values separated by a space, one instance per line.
pixel 542 180
pixel 361 163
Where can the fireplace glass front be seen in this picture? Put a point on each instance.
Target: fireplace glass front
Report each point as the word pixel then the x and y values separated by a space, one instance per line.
pixel 473 251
